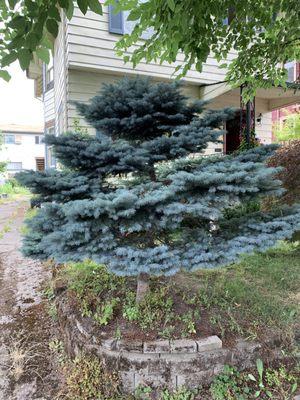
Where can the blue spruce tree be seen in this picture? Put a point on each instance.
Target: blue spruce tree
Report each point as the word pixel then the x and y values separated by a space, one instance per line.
pixel 141 198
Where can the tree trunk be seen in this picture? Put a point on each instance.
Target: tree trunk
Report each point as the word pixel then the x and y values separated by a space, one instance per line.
pixel 142 286
pixel 152 174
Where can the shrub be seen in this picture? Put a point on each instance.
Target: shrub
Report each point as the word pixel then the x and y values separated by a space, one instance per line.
pixel 288 157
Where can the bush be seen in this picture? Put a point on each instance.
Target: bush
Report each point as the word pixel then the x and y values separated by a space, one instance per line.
pixel 288 157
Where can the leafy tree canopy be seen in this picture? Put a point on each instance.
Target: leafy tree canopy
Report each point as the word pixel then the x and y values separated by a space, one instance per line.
pixel 265 34
pixel 26 28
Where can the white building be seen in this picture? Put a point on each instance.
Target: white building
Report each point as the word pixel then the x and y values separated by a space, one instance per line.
pixel 84 59
pixel 23 148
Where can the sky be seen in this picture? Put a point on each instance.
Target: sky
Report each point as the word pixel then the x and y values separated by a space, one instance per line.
pixel 17 102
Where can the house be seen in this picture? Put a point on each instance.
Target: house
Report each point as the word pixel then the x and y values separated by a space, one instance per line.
pixel 84 59
pixel 22 148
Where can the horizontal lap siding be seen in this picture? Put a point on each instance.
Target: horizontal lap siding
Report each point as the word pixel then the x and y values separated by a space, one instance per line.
pixel 49 110
pixel 90 45
pixel 83 85
pixel 60 78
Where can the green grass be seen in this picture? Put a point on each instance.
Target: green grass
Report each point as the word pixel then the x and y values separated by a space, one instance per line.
pixel 251 299
pixel 12 188
pixel 260 292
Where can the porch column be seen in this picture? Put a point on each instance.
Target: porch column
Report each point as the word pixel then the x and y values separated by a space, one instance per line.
pixel 247 117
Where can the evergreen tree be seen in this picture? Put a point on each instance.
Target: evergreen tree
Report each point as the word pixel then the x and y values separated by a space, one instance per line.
pixel 141 198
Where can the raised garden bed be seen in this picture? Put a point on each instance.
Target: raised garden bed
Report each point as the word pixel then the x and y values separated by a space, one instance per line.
pixel 189 327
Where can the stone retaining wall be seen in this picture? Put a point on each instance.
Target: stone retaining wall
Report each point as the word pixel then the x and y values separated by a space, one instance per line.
pixel 160 363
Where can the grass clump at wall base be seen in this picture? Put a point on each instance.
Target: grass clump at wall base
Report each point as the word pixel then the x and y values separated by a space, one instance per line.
pixel 86 378
pixel 252 299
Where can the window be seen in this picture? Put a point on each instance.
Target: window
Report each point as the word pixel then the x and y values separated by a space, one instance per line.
pixel 118 23
pixel 40 164
pixel 38 139
pixel 291 71
pixel 14 166
pixel 9 139
pixel 49 75
pixel 115 21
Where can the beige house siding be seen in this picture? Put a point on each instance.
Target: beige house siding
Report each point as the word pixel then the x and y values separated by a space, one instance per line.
pixel 83 85
pixel 49 109
pixel 60 78
pixel 91 45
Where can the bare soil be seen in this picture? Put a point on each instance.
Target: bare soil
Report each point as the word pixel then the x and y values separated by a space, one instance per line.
pixel 27 370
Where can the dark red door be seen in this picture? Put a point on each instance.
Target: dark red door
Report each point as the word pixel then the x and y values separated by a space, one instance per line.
pixel 232 138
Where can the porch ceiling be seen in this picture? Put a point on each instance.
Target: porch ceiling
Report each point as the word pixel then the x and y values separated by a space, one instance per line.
pixel 276 97
pixel 279 97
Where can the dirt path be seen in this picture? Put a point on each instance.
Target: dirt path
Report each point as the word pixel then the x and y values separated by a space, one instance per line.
pixel 27 371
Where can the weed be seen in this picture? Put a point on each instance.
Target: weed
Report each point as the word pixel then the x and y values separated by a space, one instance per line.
pixel 143 393
pixel 22 356
pixel 130 308
pixel 52 311
pixel 261 384
pixel 189 324
pixel 104 313
pixel 57 347
pixel 118 333
pixel 88 379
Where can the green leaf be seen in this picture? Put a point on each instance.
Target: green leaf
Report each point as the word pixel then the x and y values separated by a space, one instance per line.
pixel 31 6
pixel 46 42
pixel 24 56
pixel 54 13
pixel 5 75
pixel 224 65
pixel 83 5
pixel 31 40
pixel 12 3
pixel 64 3
pixel 16 43
pixel 95 6
pixel 260 367
pixel 43 54
pixel 251 377
pixel 18 23
pixel 70 9
pixel 52 26
pixel 171 4
pixel 134 15
pixel 9 59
